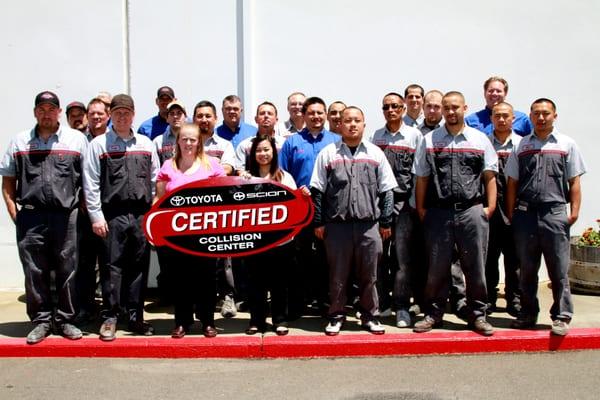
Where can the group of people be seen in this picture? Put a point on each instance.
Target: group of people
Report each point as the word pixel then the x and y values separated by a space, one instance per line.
pixel 409 218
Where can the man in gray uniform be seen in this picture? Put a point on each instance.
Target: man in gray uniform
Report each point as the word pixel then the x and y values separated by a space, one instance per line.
pixel 543 176
pixel 90 245
pixel 454 163
pixel 433 119
pixel 501 240
pixel 41 172
pixel 119 177
pixel 352 184
pixel 399 143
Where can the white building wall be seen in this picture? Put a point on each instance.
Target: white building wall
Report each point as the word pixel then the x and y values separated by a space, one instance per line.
pixel 355 51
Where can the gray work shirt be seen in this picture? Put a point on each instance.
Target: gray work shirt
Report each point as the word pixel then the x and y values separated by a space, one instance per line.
pixel 455 165
pixel 165 145
pixel 503 150
pixel 400 147
pixel 221 149
pixel 48 173
pixel 351 184
pixel 426 129
pixel 119 175
pixel 543 168
pixel 408 120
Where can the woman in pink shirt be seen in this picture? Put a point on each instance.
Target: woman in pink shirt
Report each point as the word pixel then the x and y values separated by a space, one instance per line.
pixel 193 276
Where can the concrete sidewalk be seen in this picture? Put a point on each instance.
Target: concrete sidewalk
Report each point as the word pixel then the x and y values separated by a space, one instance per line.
pixel 306 337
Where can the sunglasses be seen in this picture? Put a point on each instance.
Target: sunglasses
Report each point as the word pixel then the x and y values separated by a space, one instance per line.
pixel 393 106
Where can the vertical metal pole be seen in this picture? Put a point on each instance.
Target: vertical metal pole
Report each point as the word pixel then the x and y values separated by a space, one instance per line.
pixel 126 52
pixel 244 51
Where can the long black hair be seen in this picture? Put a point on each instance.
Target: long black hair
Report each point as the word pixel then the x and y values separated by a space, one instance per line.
pixel 254 167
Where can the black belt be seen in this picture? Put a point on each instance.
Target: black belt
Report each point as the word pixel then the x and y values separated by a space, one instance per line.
pixel 543 207
pixel 457 206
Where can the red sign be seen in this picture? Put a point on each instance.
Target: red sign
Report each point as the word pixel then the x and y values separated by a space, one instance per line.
pixel 227 217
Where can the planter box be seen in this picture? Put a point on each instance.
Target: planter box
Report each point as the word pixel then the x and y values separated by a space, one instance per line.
pixel 584 271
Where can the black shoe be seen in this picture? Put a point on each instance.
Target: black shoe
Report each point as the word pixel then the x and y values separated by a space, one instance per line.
pixel 38 333
pixel 524 322
pixel 178 332
pixel 481 326
pixel 70 331
pixel 513 310
pixel 108 330
pixel 141 328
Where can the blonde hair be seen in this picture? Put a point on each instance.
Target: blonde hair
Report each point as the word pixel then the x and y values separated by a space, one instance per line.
pixel 200 154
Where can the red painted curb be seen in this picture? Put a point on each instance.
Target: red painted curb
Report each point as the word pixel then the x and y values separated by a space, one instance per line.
pixel 157 347
pixel 305 346
pixel 428 343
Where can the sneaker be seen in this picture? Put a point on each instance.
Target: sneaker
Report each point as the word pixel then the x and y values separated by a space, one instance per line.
pixel 385 313
pixel 481 326
pixel 403 319
pixel 560 327
pixel 374 327
pixel 415 309
pixel 426 324
pixel 524 322
pixel 228 309
pixel 334 327
pixel 38 333
pixel 70 331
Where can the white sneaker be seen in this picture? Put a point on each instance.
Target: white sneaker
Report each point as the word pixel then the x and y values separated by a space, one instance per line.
pixel 374 327
pixel 403 319
pixel 333 328
pixel 560 328
pixel 228 309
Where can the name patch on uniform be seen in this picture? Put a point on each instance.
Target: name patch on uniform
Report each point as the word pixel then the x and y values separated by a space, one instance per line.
pixel 114 147
pixel 227 217
pixel 526 147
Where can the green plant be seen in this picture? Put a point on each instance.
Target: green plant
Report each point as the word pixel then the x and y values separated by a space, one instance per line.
pixel 590 237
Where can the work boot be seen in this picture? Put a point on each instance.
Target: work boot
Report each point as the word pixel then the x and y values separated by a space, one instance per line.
pixel 426 324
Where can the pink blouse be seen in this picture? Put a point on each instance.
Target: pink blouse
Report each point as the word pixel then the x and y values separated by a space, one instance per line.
pixel 176 178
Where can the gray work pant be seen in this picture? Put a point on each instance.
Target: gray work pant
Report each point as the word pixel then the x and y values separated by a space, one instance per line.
pixel 47 241
pixel 347 244
pixel 125 273
pixel 403 232
pixel 467 232
pixel 544 230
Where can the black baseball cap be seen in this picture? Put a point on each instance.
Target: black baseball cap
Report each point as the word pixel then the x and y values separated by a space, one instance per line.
pixel 48 98
pixel 75 104
pixel 165 91
pixel 122 101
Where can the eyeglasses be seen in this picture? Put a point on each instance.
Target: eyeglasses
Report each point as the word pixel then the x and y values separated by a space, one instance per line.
pixel 393 106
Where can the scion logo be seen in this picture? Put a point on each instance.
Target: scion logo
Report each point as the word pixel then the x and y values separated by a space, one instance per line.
pixel 228 217
pixel 239 196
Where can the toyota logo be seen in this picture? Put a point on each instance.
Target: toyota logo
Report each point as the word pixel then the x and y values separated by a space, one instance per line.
pixel 239 196
pixel 177 201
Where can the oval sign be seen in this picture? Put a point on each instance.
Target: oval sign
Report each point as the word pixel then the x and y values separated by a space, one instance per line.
pixel 227 217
